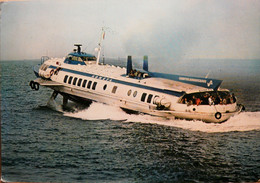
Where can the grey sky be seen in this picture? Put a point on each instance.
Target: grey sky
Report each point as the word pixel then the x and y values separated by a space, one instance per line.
pixel 161 29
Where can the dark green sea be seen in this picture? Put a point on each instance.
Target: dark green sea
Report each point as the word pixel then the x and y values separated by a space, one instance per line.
pixel 43 143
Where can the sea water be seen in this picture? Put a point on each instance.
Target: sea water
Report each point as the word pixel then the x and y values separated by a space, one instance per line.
pixel 101 143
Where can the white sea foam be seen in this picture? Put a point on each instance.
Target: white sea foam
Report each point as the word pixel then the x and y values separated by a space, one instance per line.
pixel 245 121
pixel 98 111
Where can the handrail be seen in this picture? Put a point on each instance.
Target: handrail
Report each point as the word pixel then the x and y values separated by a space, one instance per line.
pixel 44 58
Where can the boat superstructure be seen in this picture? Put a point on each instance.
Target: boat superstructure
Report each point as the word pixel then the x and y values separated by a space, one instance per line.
pixel 80 77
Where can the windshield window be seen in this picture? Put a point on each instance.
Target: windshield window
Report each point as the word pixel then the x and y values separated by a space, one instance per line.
pixel 80 58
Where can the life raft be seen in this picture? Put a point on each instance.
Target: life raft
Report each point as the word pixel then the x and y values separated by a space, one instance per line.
pixel 218 115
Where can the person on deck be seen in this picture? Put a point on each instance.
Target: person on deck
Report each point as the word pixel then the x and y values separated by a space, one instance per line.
pixel 131 73
pixel 198 101
pixel 211 102
pixel 194 100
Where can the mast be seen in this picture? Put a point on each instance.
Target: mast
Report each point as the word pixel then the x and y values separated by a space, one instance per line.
pixel 102 37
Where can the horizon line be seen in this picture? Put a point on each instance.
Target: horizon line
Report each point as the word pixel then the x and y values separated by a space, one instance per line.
pixel 36 59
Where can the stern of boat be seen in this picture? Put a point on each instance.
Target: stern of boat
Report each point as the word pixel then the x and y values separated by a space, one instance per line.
pixel 208 117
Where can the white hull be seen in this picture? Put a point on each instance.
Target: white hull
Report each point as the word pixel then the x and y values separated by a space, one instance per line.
pixel 206 117
pixel 148 109
pixel 111 85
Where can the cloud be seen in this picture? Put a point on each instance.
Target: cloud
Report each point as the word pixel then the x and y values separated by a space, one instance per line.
pixel 213 29
pixel 11 0
pixel 166 30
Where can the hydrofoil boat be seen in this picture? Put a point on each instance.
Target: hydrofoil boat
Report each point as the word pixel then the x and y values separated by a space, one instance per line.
pixel 80 77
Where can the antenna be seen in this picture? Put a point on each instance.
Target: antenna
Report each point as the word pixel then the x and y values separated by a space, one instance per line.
pixel 207 75
pixel 102 37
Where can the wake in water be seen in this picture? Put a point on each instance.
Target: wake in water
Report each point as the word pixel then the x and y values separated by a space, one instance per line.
pixel 245 121
pixel 70 106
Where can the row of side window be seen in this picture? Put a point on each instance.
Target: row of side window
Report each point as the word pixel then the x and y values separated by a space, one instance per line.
pixel 85 83
pixel 77 81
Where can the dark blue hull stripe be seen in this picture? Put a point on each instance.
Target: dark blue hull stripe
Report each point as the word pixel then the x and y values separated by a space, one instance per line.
pixel 170 92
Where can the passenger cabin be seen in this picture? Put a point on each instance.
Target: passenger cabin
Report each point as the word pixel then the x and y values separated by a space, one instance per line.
pixel 77 57
pixel 208 98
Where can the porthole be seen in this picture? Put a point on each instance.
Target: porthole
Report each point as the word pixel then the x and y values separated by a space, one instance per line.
pixel 114 89
pixel 75 81
pixel 84 83
pixel 79 82
pixel 65 79
pixel 134 94
pixel 70 79
pixel 129 92
pixel 94 85
pixel 89 84
pixel 105 87
pixel 143 97
pixel 149 99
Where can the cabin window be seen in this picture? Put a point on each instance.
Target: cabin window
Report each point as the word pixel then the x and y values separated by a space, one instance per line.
pixel 91 58
pixel 80 59
pixel 45 67
pixel 84 58
pixel 79 82
pixel 84 83
pixel 114 89
pixel 149 99
pixel 94 85
pixel 89 84
pixel 75 81
pixel 143 97
pixel 134 94
pixel 105 87
pixel 42 66
pixel 65 79
pixel 70 79
pixel 129 92
pixel 74 58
